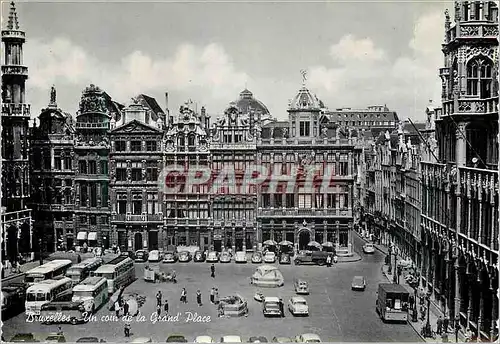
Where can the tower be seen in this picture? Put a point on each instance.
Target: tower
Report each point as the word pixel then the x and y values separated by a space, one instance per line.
pixel 16 218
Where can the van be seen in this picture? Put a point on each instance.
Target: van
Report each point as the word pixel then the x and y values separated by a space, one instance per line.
pixel 311 257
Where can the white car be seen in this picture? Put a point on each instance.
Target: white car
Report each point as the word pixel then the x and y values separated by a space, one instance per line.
pixel 270 257
pixel 231 339
pixel 308 338
pixel 212 257
pixel 154 256
pixel 141 340
pixel 204 339
pixel 297 305
pixel 240 257
pixel 368 248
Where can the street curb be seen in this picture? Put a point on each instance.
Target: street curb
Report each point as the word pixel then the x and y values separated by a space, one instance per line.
pixel 376 246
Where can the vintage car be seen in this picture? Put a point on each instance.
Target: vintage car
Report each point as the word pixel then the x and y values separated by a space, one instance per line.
pixel 154 256
pixel 55 338
pixel 271 307
pixel 285 258
pixel 212 257
pixel 240 257
pixel 90 340
pixel 231 339
pixel 257 258
pixel 308 338
pixel 141 340
pixel 169 257
pixel 311 257
pixel 270 257
pixel 199 256
pixel 358 283
pixel 203 339
pixel 257 339
pixel 297 305
pixel 184 257
pixel 225 257
pixel 301 287
pixel 141 256
pixel 368 248
pixel 23 338
pixel 268 276
pixel 176 338
pixel 282 340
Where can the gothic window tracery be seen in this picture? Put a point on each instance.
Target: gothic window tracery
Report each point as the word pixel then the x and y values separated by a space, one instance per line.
pixel 479 77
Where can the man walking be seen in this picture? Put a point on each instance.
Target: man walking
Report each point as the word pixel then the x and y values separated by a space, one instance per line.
pixel 158 298
pixel 125 308
pixel 446 323
pixel 212 295
pixel 184 295
pixel 216 296
pixel 127 330
pixel 212 271
pixel 439 325
pixel 165 307
pixel 198 298
pixel 117 308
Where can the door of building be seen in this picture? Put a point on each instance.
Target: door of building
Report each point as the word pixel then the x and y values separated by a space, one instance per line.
pixel 153 240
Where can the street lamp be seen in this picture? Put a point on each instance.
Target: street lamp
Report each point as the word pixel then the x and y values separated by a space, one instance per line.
pixel 40 250
pixel 414 284
pixel 427 330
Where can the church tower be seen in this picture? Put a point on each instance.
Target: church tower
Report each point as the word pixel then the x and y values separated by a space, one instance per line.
pixel 15 117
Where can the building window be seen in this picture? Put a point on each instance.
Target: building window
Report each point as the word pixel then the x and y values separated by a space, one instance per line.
pixel 57 160
pixel 121 174
pixel 266 200
pixel 120 146
pixel 278 200
pixel 290 200
pixel 104 194
pixel 479 78
pixel 135 146
pixel 104 220
pixel 122 203
pixel 92 167
pixel 83 219
pixel 104 167
pixel 68 163
pixel 93 195
pixel 305 128
pixel 136 204
pixel 93 220
pixel 151 146
pixel 152 172
pixel 136 171
pixel 152 203
pixel 82 167
pixel 191 143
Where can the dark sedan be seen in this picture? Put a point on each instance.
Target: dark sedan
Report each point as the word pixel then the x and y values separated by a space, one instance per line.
pixel 285 258
pixel 199 256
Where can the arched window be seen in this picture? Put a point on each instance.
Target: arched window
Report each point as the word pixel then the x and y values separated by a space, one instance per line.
pixel 479 79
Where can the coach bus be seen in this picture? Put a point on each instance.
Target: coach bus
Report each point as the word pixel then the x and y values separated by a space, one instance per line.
pixel 50 270
pixel 82 270
pixel 119 272
pixel 44 292
pixel 392 302
pixel 93 291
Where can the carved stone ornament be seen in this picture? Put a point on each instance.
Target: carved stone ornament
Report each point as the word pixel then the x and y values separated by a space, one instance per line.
pixel 169 146
pixel 474 51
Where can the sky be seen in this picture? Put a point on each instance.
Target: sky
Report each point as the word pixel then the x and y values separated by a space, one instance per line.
pixel 355 53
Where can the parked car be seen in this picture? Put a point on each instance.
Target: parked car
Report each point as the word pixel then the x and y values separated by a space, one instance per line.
pixel 368 248
pixel 129 254
pixel 301 287
pixel 271 306
pixel 55 338
pixel 282 340
pixel 90 340
pixel 141 256
pixel 311 257
pixel 285 258
pixel 154 256
pixel 308 338
pixel 225 257
pixel 257 339
pixel 199 256
pixel 169 257
pixel 203 339
pixel 297 305
pixel 231 339
pixel 23 338
pixel 240 257
pixel 141 340
pixel 358 283
pixel 176 338
pixel 270 257
pixel 184 257
pixel 212 257
pixel 257 257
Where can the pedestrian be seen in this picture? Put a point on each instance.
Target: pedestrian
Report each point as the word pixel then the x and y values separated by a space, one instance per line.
pixel 216 296
pixel 158 298
pixel 282 308
pixel 411 299
pixel 212 295
pixel 117 308
pixel 329 261
pixel 446 323
pixel 165 306
pixel 439 325
pixel 220 310
pixel 125 308
pixel 158 310
pixel 127 330
pixel 198 298
pixel 212 271
pixel 422 312
pixel 183 295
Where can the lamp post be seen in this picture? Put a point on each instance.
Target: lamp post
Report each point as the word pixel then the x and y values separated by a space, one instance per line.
pixel 40 250
pixel 414 284
pixel 427 330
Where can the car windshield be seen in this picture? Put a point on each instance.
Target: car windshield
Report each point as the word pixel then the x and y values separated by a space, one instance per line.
pixel 272 305
pixel 358 280
pixel 300 302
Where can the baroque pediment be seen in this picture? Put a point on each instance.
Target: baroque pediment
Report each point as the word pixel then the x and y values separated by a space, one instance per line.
pixel 136 127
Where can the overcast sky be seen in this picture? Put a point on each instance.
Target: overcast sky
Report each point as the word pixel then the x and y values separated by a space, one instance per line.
pixel 356 53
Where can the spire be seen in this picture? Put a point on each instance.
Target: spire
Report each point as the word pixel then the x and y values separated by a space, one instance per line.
pixel 13 23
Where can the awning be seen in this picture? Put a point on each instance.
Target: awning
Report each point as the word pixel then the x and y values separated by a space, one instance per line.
pixel 81 236
pixel 92 236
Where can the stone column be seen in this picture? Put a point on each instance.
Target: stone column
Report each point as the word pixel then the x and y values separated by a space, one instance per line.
pixel 480 319
pixel 469 307
pixel 244 238
pixel 233 239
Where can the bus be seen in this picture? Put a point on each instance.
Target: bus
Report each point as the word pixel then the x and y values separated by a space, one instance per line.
pixel 93 291
pixel 392 302
pixel 63 312
pixel 82 270
pixel 50 270
pixel 119 272
pixel 44 292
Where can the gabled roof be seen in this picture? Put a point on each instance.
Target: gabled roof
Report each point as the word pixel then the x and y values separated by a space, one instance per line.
pixel 136 126
pixel 153 105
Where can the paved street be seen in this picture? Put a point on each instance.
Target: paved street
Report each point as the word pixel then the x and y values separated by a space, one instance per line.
pixel 336 313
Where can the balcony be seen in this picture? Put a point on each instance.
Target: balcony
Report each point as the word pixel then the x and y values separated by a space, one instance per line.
pixel 478 29
pixel 172 221
pixel 18 110
pixel 479 106
pixel 85 125
pixel 304 212
pixel 13 34
pixel 335 142
pixel 239 145
pixel 15 70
